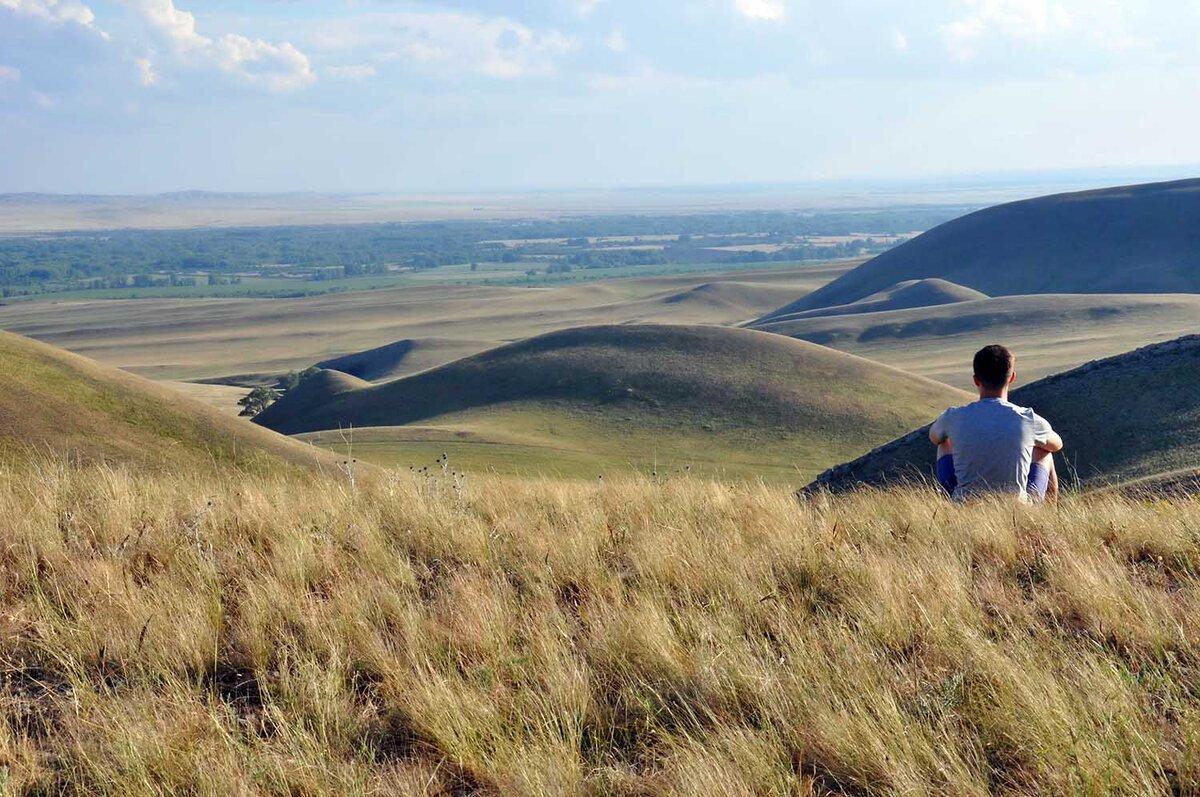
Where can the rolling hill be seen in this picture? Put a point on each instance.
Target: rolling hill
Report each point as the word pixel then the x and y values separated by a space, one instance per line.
pixel 728 299
pixel 56 403
pixel 1050 334
pixel 402 357
pixel 721 398
pixel 1134 239
pixel 1129 418
pixel 930 292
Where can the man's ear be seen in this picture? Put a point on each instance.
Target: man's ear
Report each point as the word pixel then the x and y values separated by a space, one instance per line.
pixel 975 379
pixel 1012 377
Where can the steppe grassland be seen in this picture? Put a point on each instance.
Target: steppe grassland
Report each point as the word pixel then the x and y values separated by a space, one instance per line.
pixel 534 441
pixel 188 339
pixel 228 634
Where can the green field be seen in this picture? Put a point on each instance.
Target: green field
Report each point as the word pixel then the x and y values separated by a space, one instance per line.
pixel 485 274
pixel 564 442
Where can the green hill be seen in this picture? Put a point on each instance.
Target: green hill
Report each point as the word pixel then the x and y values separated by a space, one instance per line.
pixel 720 399
pixel 1130 418
pixel 1134 239
pixel 56 403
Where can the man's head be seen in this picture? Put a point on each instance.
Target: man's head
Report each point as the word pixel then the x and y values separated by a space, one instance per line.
pixel 995 369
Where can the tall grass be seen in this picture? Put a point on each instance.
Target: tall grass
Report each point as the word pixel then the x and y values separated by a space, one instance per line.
pixel 286 635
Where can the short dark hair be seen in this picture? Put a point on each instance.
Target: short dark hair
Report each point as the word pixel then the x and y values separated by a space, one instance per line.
pixel 993 366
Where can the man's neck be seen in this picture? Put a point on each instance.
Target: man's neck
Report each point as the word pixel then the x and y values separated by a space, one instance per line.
pixel 993 394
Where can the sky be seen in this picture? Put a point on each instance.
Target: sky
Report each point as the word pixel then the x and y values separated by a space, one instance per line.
pixel 138 96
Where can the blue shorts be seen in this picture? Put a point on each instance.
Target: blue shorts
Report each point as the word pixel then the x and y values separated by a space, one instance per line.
pixel 1039 478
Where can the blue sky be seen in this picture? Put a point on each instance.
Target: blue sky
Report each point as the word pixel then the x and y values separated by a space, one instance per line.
pixel 113 96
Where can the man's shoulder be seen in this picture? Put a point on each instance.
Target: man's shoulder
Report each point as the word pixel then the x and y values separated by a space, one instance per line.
pixel 1026 412
pixel 948 415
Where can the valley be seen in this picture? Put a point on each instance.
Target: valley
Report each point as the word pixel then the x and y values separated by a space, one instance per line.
pixel 511 379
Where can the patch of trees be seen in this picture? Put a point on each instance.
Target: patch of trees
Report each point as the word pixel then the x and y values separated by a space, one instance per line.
pixel 612 258
pixel 263 396
pixel 257 400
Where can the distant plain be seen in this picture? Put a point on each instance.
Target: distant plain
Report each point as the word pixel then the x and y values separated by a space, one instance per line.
pixel 190 339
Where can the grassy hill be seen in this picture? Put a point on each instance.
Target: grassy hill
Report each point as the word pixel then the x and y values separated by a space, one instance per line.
pixel 1050 333
pixel 584 399
pixel 930 292
pixel 402 357
pixel 725 299
pixel 193 634
pixel 1135 239
pixel 59 404
pixel 1132 417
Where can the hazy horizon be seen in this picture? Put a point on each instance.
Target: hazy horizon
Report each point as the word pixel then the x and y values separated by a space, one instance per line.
pixel 968 181
pixel 420 96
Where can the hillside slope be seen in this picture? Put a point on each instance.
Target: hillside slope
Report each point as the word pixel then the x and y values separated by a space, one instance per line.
pixel 57 403
pixel 702 389
pixel 1050 333
pixel 1134 239
pixel 1132 417
pixel 402 357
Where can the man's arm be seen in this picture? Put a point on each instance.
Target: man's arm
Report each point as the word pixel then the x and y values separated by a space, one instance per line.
pixel 937 431
pixel 1044 437
pixel 1051 442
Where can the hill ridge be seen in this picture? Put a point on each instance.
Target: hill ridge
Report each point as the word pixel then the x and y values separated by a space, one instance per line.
pixel 904 295
pixel 1126 239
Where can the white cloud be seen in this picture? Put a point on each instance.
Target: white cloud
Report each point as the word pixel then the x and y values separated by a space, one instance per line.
pixel 449 43
pixel 53 10
pixel 351 71
pixel 9 74
pixel 1017 19
pixel 178 26
pixel 616 41
pixel 584 8
pixel 276 66
pixel 899 41
pixel 761 9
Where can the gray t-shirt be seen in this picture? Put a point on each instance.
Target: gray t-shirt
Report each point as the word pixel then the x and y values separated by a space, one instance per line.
pixel 993 442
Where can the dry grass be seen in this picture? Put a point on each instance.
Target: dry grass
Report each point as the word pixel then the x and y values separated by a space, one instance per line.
pixel 285 635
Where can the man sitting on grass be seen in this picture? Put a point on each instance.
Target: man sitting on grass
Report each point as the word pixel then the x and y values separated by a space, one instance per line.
pixel 992 446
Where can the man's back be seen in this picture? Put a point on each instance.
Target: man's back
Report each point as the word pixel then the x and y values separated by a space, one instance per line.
pixel 993 443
